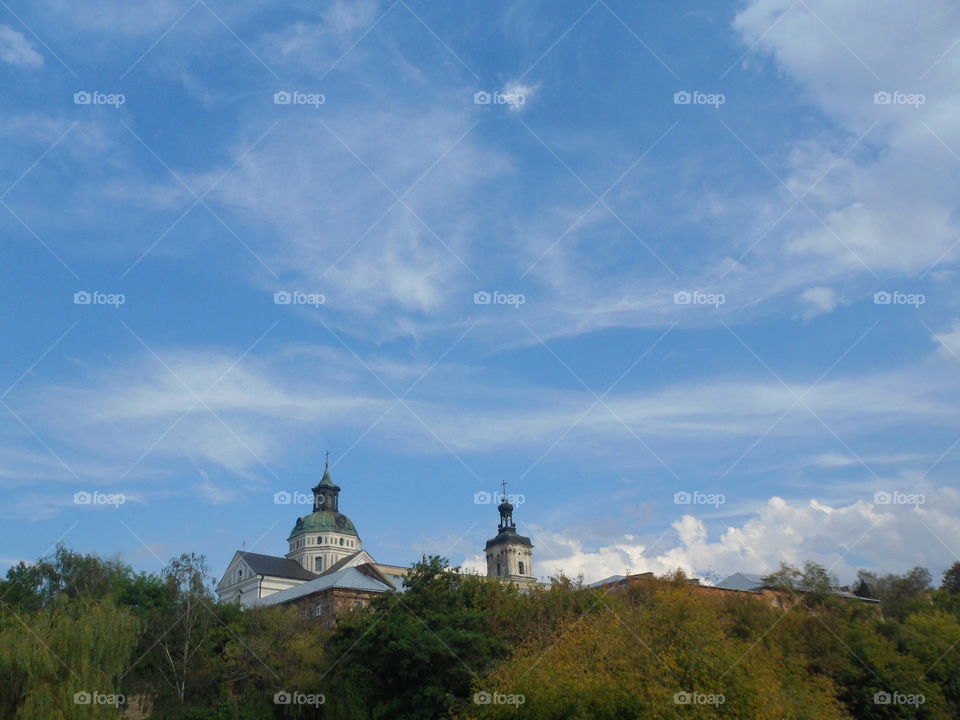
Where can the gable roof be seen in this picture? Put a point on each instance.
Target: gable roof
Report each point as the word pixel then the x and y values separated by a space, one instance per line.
pixel 349 578
pixel 276 566
pixel 360 556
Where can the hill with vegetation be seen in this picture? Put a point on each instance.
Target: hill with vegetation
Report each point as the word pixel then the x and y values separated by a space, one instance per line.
pixel 83 637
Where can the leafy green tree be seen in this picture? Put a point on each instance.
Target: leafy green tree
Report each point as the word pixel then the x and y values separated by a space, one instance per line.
pixel 932 637
pixel 901 595
pixel 414 654
pixel 951 579
pixel 813 582
pixel 30 587
pixel 64 661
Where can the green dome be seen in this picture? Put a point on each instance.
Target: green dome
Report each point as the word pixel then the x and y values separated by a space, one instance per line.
pixel 324 521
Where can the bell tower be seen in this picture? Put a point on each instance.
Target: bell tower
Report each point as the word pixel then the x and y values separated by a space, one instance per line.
pixel 509 555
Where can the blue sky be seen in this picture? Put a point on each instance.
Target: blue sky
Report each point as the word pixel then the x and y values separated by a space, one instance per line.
pixel 719 241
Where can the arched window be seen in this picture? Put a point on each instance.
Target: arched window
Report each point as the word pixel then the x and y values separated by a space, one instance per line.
pixel 317 564
pixel 521 568
pixel 318 609
pixel 341 541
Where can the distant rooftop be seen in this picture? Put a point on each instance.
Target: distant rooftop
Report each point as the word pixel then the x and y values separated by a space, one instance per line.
pixel 751 582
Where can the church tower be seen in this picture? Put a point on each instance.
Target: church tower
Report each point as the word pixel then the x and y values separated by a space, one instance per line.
pixel 509 555
pixel 326 535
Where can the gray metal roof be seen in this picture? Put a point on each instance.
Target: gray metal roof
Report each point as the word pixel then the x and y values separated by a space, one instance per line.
pixel 276 566
pixel 751 582
pixel 748 582
pixel 348 578
pixel 607 581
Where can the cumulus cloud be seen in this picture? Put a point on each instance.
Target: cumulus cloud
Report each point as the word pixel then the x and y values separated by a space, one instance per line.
pixel 15 49
pixel 884 537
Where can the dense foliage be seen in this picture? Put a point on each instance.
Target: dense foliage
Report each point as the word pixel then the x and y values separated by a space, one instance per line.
pixel 83 637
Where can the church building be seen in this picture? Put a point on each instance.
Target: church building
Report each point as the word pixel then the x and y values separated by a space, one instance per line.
pixel 326 569
pixel 509 555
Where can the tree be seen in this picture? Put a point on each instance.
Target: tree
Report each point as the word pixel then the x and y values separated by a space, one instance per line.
pixel 182 624
pixel 415 654
pixel 951 579
pixel 813 581
pixel 30 587
pixel 51 658
pixel 901 595
pixel 862 589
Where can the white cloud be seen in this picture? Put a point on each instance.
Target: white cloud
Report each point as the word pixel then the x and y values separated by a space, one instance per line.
pixel 107 416
pixel 521 92
pixel 327 186
pixel 949 342
pixel 17 50
pixel 822 300
pixel 890 208
pixel 889 538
